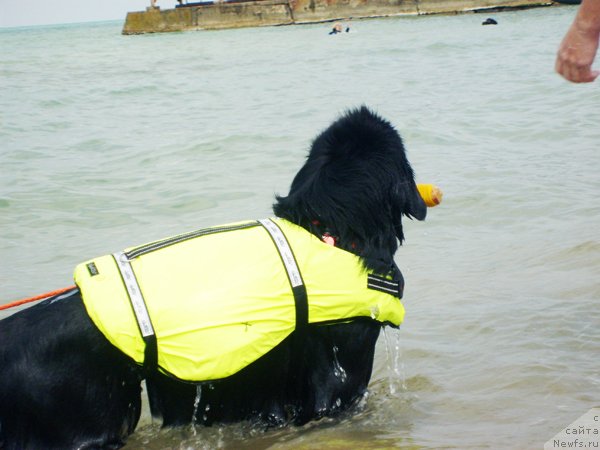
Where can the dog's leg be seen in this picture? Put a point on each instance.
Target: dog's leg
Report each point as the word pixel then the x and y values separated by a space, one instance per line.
pixel 338 361
pixel 321 372
pixel 62 384
pixel 256 393
pixel 171 400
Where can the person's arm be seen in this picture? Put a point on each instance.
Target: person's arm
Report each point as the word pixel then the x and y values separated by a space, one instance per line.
pixel 579 46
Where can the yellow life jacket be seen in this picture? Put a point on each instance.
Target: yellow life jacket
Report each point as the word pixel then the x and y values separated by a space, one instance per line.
pixel 206 304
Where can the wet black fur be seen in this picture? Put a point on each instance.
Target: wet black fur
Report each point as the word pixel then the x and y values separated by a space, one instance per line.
pixel 63 385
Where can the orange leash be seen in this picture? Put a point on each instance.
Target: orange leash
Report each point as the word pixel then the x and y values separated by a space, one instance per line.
pixel 37 297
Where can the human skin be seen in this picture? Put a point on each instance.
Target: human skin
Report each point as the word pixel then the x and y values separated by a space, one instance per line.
pixel 578 49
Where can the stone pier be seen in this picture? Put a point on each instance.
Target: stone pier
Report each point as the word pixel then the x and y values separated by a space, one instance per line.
pixel 240 13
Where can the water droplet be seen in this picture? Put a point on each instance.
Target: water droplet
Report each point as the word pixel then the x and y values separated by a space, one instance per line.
pixel 338 370
pixel 196 405
pixel 374 312
pixel 394 365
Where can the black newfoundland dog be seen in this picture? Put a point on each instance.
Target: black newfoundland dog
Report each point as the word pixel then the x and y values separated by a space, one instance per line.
pixel 63 384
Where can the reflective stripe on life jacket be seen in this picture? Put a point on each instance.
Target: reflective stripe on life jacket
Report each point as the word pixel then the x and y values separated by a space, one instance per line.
pixel 217 299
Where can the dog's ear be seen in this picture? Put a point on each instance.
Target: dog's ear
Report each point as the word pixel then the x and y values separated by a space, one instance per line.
pixel 407 202
pixel 416 207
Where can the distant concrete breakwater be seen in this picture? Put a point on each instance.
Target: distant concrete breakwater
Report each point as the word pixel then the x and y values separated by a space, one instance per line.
pixel 208 15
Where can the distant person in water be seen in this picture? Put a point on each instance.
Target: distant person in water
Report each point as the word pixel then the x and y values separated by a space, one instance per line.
pixel 337 28
pixel 489 21
pixel 578 49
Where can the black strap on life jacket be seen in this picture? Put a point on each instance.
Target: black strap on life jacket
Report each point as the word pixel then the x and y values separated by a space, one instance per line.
pixel 293 272
pixel 298 337
pixel 138 304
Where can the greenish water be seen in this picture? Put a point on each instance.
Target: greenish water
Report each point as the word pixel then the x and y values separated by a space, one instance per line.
pixel 108 141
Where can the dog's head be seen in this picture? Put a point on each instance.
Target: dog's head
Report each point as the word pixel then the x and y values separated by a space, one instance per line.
pixel 356 185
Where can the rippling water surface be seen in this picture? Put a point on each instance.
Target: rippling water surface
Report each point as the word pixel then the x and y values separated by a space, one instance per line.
pixel 108 141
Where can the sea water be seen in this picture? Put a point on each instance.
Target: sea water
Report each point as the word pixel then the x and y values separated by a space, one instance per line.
pixel 108 141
